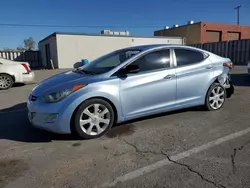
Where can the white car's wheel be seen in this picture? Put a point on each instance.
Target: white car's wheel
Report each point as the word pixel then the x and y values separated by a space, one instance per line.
pixel 6 81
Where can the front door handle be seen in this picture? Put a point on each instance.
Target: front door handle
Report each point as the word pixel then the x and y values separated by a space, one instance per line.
pixel 169 76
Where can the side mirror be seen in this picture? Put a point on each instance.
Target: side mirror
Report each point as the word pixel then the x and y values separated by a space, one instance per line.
pixel 132 69
pixel 77 65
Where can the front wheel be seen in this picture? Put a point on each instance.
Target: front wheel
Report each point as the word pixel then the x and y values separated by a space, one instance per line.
pixel 216 97
pixel 93 118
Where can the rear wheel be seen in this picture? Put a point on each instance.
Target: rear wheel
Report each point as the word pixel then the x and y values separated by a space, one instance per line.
pixel 6 81
pixel 216 97
pixel 93 118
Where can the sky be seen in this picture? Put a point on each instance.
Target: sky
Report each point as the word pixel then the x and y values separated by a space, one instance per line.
pixel 141 17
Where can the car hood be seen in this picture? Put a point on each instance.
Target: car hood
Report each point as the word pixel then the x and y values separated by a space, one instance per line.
pixel 61 81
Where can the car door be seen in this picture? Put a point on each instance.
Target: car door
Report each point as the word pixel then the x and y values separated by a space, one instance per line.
pixel 152 89
pixel 194 71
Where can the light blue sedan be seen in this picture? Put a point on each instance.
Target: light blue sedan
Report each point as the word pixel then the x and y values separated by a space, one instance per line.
pixel 127 84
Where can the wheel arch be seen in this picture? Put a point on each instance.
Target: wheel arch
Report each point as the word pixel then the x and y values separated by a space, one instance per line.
pixel 94 97
pixel 214 80
pixel 11 75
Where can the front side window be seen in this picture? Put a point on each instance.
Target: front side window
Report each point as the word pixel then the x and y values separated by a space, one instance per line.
pixel 108 61
pixel 154 61
pixel 188 57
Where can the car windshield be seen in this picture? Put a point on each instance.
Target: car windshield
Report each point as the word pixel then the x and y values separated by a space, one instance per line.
pixel 109 61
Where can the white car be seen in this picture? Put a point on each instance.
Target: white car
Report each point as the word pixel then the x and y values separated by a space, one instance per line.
pixel 14 72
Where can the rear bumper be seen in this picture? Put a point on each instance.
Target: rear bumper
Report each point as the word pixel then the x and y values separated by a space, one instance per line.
pixel 24 78
pixel 29 77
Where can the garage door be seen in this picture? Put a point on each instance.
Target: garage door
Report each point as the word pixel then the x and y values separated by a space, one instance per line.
pixel 234 35
pixel 213 36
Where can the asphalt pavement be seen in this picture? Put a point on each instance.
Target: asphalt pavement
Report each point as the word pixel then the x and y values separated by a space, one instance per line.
pixel 187 148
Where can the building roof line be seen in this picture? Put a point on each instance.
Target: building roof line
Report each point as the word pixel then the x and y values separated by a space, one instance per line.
pixel 217 23
pixel 179 26
pixel 49 36
pixel 103 35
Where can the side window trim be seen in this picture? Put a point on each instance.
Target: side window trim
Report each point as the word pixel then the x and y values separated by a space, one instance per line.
pixel 146 72
pixel 156 50
pixel 175 59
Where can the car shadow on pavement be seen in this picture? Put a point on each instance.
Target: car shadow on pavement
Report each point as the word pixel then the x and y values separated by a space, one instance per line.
pixel 128 127
pixel 240 79
pixel 15 126
pixel 23 84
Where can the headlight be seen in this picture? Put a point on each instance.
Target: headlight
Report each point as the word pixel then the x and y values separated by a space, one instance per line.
pixel 59 95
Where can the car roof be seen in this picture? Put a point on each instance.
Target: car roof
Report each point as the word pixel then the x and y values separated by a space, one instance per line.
pixel 155 46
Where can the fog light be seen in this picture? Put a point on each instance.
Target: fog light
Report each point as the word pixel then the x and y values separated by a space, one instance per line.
pixel 51 118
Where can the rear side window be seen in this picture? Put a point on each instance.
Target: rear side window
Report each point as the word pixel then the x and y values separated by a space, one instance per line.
pixel 154 61
pixel 188 57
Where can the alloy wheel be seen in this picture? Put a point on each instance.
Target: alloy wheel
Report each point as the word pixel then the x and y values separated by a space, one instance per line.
pixel 94 119
pixel 5 81
pixel 217 97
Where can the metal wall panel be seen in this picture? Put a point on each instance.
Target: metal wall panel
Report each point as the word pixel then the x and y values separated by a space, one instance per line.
pixel 33 57
pixel 237 50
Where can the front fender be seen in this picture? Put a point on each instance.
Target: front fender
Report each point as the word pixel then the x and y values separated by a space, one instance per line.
pixel 79 98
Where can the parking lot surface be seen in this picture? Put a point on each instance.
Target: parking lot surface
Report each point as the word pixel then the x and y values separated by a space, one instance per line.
pixel 188 148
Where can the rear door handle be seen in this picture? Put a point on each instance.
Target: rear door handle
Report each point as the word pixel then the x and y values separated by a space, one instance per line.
pixel 209 67
pixel 169 76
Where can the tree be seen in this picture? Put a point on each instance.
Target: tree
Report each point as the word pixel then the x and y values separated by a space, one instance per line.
pixel 20 48
pixel 29 44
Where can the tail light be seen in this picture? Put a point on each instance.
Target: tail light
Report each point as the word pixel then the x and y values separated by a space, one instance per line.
pixel 26 67
pixel 229 65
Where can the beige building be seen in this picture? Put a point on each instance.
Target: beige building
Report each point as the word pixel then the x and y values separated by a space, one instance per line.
pixel 65 49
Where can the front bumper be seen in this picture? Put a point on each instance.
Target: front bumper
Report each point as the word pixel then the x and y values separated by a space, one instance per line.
pixel 48 117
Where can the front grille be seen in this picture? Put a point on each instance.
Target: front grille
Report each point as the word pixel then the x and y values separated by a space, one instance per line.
pixel 33 98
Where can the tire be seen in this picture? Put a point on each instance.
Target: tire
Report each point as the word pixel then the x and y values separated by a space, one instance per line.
pixel 216 97
pixel 230 91
pixel 6 81
pixel 97 118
